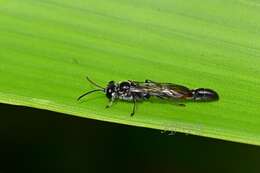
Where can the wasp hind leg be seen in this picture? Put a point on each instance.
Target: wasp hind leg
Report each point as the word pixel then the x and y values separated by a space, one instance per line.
pixel 178 104
pixel 134 107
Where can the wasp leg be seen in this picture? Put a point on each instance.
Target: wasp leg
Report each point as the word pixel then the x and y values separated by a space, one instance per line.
pixel 161 97
pixel 133 112
pixel 179 104
pixel 111 101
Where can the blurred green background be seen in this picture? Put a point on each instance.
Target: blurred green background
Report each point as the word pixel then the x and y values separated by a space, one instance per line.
pixel 35 140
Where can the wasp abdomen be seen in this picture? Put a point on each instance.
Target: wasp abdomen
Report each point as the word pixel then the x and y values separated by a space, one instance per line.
pixel 204 94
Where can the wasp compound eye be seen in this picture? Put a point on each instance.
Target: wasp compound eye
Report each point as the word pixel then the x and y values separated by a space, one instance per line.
pixel 109 93
pixel 110 89
pixel 111 82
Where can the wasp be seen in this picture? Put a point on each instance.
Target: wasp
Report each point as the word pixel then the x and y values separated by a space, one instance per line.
pixel 134 91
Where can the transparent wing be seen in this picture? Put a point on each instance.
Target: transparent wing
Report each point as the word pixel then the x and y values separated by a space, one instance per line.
pixel 162 90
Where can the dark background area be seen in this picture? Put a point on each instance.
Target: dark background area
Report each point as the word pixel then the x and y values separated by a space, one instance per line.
pixel 33 140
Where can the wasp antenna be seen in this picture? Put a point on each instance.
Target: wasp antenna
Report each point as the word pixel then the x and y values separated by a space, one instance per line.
pixel 83 95
pixel 94 83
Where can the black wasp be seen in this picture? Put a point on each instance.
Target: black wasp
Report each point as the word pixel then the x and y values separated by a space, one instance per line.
pixel 138 91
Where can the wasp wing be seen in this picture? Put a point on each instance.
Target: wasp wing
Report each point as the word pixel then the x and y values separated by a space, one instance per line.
pixel 161 90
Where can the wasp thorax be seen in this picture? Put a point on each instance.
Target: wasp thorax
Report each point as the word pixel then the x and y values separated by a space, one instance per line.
pixel 111 88
pixel 124 86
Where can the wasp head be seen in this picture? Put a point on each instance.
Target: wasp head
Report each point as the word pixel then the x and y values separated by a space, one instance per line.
pixel 111 89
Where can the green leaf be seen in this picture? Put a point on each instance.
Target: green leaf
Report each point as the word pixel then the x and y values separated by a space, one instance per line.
pixel 48 47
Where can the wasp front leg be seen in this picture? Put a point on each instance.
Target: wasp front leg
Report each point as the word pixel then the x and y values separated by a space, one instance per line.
pixel 110 103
